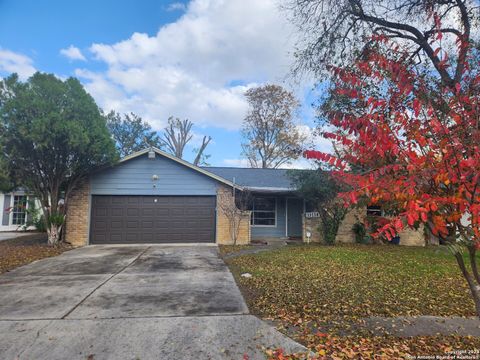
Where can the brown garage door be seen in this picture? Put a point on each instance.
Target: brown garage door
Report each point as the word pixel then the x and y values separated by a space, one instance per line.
pixel 152 219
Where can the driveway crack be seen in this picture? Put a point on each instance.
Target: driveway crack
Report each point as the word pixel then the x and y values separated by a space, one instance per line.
pixel 104 282
pixel 34 339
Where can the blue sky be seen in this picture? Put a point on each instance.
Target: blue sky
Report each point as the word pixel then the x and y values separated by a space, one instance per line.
pixel 159 58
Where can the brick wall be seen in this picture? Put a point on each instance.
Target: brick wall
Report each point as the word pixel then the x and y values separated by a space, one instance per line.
pixel 408 237
pixel 411 237
pixel 224 236
pixel 312 225
pixel 78 214
pixel 345 233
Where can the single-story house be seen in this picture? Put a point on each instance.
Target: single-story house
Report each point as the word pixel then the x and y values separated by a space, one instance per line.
pixel 154 197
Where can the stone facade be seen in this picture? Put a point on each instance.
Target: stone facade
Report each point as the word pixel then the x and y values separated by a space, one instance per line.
pixel 345 233
pixel 224 236
pixel 311 225
pixel 78 215
pixel 411 237
pixel 408 237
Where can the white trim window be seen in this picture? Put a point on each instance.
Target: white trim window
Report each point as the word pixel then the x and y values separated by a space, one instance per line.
pixel 19 210
pixel 264 211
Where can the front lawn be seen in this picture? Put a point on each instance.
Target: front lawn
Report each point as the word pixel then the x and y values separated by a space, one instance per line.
pixel 229 249
pixel 312 290
pixel 22 251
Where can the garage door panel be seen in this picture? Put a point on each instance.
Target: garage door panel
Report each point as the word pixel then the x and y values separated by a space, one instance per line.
pixel 116 212
pixel 132 237
pixel 152 219
pixel 102 225
pixel 116 200
pixel 162 200
pixel 148 212
pixel 163 212
pixel 162 225
pixel 112 237
pixel 132 225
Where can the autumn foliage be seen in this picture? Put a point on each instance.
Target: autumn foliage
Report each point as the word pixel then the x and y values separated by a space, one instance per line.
pixel 411 144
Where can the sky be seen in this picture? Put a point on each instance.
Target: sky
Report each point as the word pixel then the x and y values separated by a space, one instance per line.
pixel 192 59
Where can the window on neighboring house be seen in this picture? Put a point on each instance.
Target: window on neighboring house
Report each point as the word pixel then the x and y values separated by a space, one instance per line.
pixel 19 210
pixel 263 211
pixel 374 210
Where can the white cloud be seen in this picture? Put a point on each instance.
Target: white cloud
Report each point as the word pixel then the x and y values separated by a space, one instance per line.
pixel 11 62
pixel 176 6
pixel 73 53
pixel 314 140
pixel 197 67
pixel 236 162
pixel 300 163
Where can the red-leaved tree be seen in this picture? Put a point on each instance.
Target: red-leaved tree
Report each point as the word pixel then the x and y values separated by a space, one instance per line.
pixel 412 144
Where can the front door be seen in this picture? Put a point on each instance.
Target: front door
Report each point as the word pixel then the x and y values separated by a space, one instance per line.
pixel 294 217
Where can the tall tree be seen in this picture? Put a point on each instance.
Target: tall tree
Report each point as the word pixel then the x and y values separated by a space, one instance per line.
pixel 271 138
pixel 6 181
pixel 178 134
pixel 335 32
pixel 131 133
pixel 53 136
pixel 414 147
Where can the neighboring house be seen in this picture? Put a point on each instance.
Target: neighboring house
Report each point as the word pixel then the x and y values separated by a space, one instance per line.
pixel 154 197
pixel 14 207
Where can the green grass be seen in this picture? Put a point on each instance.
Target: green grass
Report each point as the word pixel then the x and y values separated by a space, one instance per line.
pixel 336 284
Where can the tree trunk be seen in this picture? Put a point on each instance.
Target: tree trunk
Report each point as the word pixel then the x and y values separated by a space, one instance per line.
pixel 473 262
pixel 205 142
pixel 472 284
pixel 233 229
pixel 54 232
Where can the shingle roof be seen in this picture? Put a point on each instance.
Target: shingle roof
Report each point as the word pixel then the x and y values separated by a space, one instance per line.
pixel 255 179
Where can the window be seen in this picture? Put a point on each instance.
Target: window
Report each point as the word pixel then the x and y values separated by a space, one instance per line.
pixel 263 211
pixel 19 210
pixel 374 211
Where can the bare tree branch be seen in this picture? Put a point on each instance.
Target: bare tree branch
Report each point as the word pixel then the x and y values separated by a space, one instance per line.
pixel 205 142
pixel 335 32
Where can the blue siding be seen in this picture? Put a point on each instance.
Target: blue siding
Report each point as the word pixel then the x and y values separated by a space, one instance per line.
pixel 272 231
pixel 134 177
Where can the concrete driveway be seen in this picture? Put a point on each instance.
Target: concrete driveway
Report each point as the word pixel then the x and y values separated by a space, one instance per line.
pixel 130 302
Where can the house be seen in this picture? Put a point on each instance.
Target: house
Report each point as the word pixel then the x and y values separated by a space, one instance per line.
pixel 154 197
pixel 14 207
pixel 276 209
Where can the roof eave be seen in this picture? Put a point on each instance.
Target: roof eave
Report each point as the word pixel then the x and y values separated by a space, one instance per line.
pixel 269 189
pixel 182 162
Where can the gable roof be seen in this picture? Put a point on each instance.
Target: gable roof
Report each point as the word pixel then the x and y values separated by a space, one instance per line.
pixel 255 178
pixel 180 161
